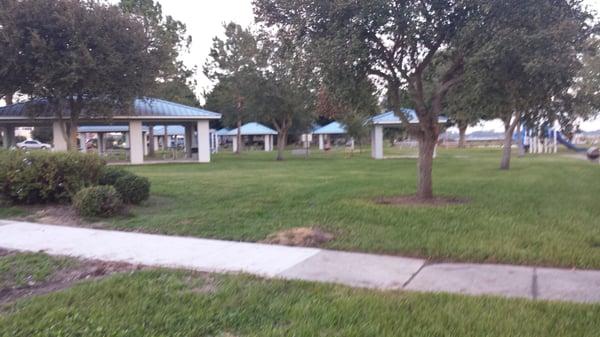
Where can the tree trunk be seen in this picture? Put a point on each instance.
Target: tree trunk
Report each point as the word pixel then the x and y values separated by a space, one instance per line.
pixel 507 149
pixel 151 144
pixel 281 143
pixel 239 137
pixel 462 135
pixel 165 138
pixel 425 166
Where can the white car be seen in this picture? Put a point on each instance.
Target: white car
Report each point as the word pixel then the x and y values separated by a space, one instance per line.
pixel 33 145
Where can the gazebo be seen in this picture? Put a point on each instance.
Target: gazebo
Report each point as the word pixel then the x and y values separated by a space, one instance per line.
pixel 390 119
pixel 149 111
pixel 254 130
pixel 328 131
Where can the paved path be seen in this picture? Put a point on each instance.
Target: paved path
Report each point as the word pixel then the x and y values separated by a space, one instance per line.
pixel 351 269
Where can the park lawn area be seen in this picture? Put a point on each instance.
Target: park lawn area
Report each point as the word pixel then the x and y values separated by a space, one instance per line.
pixel 544 211
pixel 178 303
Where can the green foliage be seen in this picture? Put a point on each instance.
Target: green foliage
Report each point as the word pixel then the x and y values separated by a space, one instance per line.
pixel 133 189
pixel 40 177
pixel 18 270
pixel 98 201
pixel 246 198
pixel 110 175
pixel 175 303
pixel 86 57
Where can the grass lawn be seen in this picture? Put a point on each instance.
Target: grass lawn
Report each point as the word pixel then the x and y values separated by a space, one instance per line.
pixel 543 211
pixel 172 303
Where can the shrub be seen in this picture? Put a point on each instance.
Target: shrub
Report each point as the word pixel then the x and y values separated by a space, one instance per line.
pixel 102 201
pixel 133 189
pixel 110 174
pixel 39 177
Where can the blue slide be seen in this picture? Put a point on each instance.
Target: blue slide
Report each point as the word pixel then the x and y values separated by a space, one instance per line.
pixel 561 139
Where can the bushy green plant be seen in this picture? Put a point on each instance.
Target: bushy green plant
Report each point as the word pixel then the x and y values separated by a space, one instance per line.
pixel 110 174
pixel 39 177
pixel 98 201
pixel 133 189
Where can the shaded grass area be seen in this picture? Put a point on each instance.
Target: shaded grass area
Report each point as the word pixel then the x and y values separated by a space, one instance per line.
pixel 161 303
pixel 543 211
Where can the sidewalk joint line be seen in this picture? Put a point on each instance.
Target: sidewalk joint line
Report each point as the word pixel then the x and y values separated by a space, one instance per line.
pixel 425 263
pixel 534 284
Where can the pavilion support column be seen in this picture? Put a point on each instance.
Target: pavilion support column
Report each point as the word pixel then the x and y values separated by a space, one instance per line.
pixel 145 138
pixel 189 135
pixel 59 138
pixel 352 143
pixel 10 136
pixel 321 142
pixel 234 144
pixel 101 148
pixel 203 142
pixel 377 142
pixel 267 143
pixel 82 145
pixel 136 145
pixel 155 142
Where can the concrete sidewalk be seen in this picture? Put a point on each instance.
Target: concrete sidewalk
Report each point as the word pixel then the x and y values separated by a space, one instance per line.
pixel 351 269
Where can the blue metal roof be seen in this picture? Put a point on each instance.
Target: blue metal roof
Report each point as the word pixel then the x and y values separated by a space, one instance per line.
pixel 172 130
pixel 222 132
pixel 333 128
pixel 151 108
pixel 253 129
pixel 391 118
pixel 105 128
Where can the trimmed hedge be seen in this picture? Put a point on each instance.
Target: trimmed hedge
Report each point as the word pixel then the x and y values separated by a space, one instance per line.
pixel 132 188
pixel 41 177
pixel 101 201
pixel 111 174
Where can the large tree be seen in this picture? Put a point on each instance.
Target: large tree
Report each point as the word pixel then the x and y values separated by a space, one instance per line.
pixel 81 57
pixel 397 42
pixel 394 41
pixel 529 56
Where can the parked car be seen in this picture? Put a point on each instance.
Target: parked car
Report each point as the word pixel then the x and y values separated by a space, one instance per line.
pixel 33 145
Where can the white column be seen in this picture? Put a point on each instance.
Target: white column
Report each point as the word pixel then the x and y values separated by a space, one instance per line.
pixel 234 144
pixel 377 142
pixel 352 144
pixel 145 137
pixel 268 143
pixel 555 144
pixel 136 145
pixel 187 140
pixel 216 140
pixel 203 142
pixel 4 138
pixel 100 143
pixel 321 143
pixel 155 140
pixel 82 144
pixel 59 138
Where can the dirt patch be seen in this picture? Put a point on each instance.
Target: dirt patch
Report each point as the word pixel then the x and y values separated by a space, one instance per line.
pixel 300 236
pixel 64 278
pixel 411 200
pixel 59 215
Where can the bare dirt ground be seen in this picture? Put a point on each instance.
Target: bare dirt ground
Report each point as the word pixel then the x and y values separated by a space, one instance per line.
pixel 60 215
pixel 300 237
pixel 64 278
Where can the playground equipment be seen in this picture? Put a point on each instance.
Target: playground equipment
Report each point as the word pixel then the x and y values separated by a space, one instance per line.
pixel 546 141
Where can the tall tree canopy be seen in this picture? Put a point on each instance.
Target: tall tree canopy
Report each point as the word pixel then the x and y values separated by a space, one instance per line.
pixel 396 42
pixel 84 57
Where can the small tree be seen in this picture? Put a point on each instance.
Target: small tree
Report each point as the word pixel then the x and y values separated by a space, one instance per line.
pixel 234 63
